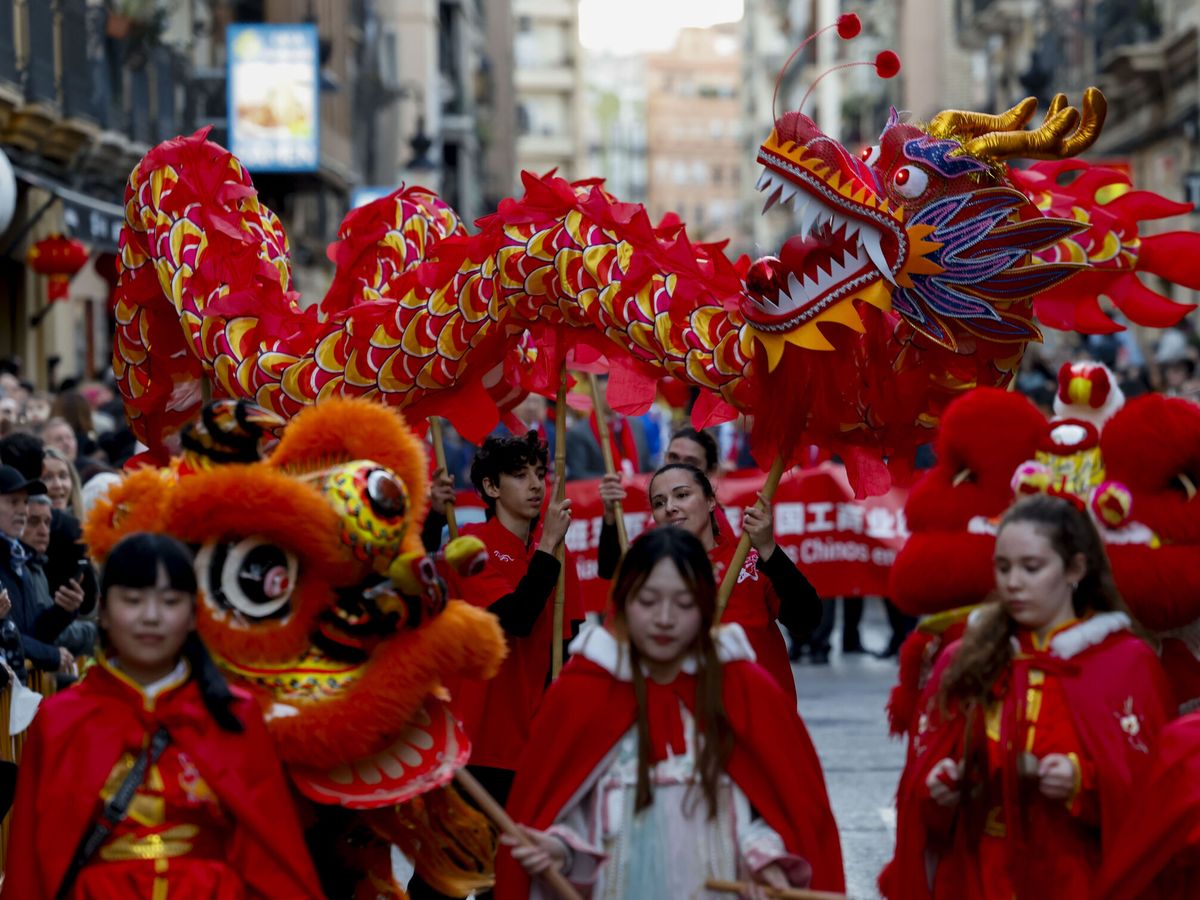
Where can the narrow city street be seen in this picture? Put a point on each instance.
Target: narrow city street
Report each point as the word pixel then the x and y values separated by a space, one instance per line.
pixel 843 707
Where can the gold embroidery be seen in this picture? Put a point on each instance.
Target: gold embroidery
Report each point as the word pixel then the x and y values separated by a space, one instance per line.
pixel 1077 786
pixel 991 720
pixel 993 827
pixel 145 809
pixel 173 842
pixel 1033 704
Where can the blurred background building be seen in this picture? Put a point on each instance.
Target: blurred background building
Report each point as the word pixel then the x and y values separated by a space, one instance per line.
pixel 549 86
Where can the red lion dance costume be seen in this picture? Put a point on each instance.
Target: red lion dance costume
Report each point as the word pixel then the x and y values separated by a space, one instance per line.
pixel 317 598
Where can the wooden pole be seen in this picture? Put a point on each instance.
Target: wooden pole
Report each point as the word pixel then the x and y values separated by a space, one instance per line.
pixel 741 887
pixel 439 456
pixel 743 547
pixel 609 464
pixel 560 492
pixel 494 811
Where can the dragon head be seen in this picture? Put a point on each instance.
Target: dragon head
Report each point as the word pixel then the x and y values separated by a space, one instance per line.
pixel 926 223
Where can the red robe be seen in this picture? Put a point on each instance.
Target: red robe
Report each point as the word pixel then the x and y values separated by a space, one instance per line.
pixel 588 710
pixel 1107 701
pixel 754 605
pixel 1157 852
pixel 73 746
pixel 497 714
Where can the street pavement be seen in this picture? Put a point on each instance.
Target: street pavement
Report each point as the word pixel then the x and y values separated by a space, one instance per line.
pixel 843 706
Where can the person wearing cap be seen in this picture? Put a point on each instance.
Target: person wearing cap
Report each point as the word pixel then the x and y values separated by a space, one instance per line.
pixel 39 627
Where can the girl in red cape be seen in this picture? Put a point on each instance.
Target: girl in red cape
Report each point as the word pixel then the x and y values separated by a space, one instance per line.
pixel 663 757
pixel 1033 727
pixel 768 587
pixel 212 818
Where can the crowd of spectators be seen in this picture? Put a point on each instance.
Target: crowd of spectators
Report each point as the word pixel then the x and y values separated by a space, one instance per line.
pixel 54 450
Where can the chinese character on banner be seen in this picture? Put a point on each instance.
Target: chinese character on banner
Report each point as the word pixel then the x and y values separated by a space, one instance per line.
pixel 881 523
pixel 850 517
pixel 789 518
pixel 819 517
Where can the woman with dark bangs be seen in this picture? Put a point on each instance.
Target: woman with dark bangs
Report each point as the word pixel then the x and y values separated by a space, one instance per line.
pixel 769 587
pixel 151 777
pixel 663 756
pixel 1034 725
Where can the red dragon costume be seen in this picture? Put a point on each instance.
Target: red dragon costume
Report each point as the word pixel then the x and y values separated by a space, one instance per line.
pixel 915 275
pixel 317 599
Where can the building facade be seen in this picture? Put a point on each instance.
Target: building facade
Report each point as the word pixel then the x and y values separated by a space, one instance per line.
pixel 694 153
pixel 549 85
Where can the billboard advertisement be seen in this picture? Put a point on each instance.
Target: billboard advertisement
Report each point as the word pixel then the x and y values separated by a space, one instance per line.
pixel 274 86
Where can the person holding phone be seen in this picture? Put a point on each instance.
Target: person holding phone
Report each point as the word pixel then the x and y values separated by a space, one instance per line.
pixel 67 600
pixel 39 626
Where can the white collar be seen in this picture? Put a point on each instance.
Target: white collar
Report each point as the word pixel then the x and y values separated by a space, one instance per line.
pixel 597 644
pixel 175 677
pixel 1091 631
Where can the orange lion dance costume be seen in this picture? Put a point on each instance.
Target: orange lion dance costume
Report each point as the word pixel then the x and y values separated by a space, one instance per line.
pixel 316 596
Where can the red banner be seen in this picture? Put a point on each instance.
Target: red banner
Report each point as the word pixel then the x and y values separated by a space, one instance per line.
pixel 844 546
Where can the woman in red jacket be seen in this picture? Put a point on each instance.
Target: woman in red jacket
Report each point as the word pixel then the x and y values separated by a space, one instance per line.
pixel 663 757
pixel 211 815
pixel 768 587
pixel 1033 726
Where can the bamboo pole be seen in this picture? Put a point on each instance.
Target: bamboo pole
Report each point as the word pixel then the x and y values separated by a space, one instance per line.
pixel 742 887
pixel 609 464
pixel 494 811
pixel 560 492
pixel 439 456
pixel 743 547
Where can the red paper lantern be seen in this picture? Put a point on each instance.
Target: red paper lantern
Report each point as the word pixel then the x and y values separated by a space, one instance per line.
pixel 58 258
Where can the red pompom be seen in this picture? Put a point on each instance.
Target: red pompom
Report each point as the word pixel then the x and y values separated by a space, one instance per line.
pixel 848 26
pixel 887 64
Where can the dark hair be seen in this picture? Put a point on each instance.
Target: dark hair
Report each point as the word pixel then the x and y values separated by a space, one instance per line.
pixel 24 452
pixel 705 440
pixel 134 563
pixel 701 480
pixel 986 648
pixel 505 456
pixel 713 736
pixel 71 406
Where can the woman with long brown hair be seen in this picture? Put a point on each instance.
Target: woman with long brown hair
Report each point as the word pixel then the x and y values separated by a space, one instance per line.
pixel 663 757
pixel 1034 725
pixel 769 587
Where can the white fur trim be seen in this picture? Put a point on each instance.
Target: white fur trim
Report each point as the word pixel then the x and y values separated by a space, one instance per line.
pixel 597 644
pixel 1088 633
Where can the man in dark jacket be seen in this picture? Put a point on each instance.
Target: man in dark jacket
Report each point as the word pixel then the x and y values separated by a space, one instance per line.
pixel 38 626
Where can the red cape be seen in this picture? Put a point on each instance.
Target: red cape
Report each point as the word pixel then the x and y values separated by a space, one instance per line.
pixel 1157 851
pixel 78 736
pixel 1105 676
pixel 586 712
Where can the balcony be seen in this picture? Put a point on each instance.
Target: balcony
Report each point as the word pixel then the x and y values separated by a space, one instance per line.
pixel 77 91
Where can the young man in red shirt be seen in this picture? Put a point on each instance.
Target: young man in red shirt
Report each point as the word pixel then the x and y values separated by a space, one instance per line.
pixel 518 586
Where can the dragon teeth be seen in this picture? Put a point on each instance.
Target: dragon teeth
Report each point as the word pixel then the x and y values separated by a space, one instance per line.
pixel 763 180
pixel 772 199
pixel 869 238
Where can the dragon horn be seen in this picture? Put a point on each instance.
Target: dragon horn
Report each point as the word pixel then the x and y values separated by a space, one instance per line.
pixel 1064 132
pixel 961 124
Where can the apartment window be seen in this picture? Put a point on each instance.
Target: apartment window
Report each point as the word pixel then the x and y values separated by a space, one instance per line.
pixel 718 174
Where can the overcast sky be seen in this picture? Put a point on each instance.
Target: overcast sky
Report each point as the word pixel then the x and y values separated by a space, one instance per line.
pixel 647 25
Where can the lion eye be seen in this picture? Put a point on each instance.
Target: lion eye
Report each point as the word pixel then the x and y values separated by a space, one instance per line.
pixel 251 576
pixel 387 494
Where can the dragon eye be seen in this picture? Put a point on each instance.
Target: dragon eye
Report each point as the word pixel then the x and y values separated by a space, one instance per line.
pixel 910 181
pixel 387 494
pixel 251 576
pixel 869 155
